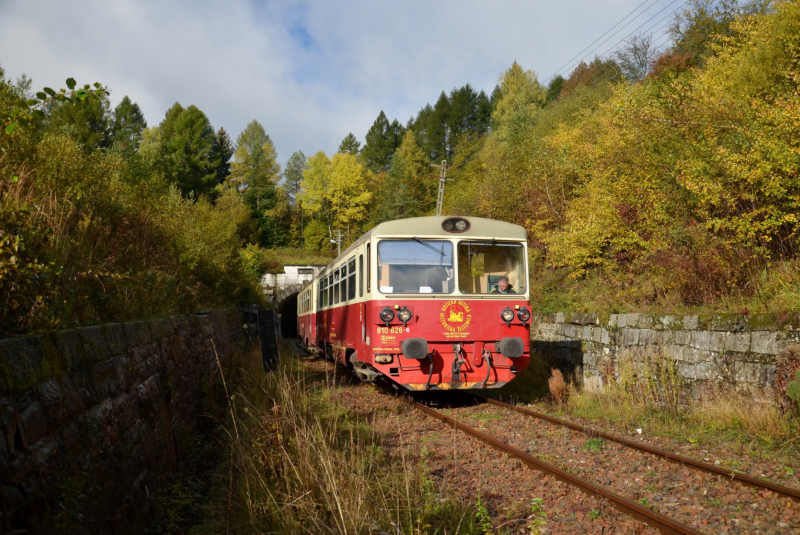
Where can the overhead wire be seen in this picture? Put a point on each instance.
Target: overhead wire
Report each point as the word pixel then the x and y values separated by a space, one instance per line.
pixel 593 42
pixel 658 26
pixel 574 64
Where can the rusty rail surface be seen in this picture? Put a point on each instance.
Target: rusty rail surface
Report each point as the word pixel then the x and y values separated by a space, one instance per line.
pixel 656 520
pixel 732 475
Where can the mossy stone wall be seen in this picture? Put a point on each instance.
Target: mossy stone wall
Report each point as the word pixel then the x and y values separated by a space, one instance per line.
pixel 91 417
pixel 735 349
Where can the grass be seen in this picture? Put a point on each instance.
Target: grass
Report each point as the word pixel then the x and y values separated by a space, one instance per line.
pixel 298 461
pixel 648 395
pixel 275 259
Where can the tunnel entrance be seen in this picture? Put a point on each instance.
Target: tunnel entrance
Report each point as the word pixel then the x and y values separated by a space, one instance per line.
pixel 287 309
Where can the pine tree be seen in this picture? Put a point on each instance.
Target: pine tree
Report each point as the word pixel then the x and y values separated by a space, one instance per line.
pixel 187 142
pixel 378 147
pixel 223 151
pixel 350 144
pixel 128 125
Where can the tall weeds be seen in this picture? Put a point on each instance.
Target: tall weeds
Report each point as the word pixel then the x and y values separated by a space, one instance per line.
pixel 647 390
pixel 300 462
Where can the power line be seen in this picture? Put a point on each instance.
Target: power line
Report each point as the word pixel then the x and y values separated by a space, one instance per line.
pixel 635 30
pixel 660 24
pixel 593 42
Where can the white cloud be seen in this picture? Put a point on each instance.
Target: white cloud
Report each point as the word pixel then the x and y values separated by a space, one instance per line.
pixel 310 72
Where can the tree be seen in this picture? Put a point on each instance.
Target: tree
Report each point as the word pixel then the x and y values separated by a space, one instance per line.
pixel 382 140
pixel 256 162
pixel 187 140
pixel 348 192
pixel 554 89
pixel 255 172
pixel 522 96
pixel 87 121
pixel 408 190
pixel 350 144
pixel 223 151
pixel 128 125
pixel 335 191
pixel 698 27
pixel 293 184
pixel 293 175
pixel 635 57
pixel 315 187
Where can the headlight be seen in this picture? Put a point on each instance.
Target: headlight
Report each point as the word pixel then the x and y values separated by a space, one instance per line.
pixel 387 315
pixel 404 315
pixel 524 315
pixel 455 224
pixel 507 315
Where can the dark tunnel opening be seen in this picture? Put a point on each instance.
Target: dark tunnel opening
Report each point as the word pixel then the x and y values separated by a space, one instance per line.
pixel 288 312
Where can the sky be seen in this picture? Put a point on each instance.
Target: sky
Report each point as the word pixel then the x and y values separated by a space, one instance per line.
pixel 309 71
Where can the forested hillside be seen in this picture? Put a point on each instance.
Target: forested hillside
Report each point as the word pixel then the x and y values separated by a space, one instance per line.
pixel 669 184
pixel 102 219
pixel 647 182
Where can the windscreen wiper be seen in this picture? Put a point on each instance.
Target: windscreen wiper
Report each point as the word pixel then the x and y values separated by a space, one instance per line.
pixel 471 254
pixel 428 245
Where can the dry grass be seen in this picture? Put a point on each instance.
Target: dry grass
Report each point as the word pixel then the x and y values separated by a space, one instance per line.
pixel 300 462
pixel 558 387
pixel 648 393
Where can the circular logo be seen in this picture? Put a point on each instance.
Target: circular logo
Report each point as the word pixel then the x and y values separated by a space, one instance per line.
pixel 455 316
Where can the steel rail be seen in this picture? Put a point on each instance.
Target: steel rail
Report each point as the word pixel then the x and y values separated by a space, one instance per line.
pixel 674 457
pixel 656 520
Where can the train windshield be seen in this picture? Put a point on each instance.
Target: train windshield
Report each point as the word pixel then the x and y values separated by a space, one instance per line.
pixel 491 267
pixel 415 266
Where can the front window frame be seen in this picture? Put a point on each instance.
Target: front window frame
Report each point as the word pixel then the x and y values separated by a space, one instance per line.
pixel 521 275
pixel 422 289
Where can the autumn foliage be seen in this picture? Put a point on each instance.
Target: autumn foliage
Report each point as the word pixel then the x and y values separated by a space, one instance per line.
pixel 679 191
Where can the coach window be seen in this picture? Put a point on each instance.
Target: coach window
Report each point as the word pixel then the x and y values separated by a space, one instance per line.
pixel 361 275
pixel 415 266
pixel 369 273
pixel 351 278
pixel 343 284
pixel 483 264
pixel 336 286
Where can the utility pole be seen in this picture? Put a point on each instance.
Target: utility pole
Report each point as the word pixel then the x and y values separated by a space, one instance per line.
pixel 442 179
pixel 338 242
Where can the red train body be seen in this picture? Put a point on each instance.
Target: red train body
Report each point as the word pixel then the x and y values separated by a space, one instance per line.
pixel 420 301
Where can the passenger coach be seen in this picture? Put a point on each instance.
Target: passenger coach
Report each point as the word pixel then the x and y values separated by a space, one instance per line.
pixel 419 301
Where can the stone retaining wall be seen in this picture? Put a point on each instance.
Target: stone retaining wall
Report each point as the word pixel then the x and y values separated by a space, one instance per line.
pixel 740 350
pixel 91 417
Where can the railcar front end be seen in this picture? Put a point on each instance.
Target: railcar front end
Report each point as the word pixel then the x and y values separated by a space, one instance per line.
pixel 437 303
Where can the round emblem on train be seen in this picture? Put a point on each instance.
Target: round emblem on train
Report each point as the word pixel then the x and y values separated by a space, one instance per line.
pixel 455 316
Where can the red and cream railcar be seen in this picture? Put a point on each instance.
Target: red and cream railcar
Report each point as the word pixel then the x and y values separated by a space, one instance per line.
pixel 419 302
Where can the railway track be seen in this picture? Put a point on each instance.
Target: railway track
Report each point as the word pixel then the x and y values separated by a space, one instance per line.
pixel 733 475
pixel 637 509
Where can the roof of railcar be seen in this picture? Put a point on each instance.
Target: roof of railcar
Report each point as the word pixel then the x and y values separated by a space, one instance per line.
pixel 432 226
pixel 480 227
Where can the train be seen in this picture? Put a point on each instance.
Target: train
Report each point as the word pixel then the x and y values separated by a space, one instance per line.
pixel 425 303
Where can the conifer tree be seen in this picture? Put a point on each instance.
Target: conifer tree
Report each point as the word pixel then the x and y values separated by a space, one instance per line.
pixel 382 140
pixel 187 140
pixel 223 151
pixel 128 125
pixel 350 144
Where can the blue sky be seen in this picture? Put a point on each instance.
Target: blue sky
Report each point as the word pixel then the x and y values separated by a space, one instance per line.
pixel 308 71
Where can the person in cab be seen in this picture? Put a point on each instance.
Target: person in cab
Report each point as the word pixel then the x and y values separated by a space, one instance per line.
pixel 503 286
